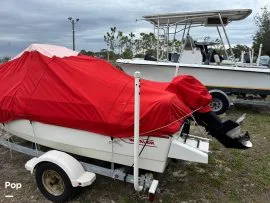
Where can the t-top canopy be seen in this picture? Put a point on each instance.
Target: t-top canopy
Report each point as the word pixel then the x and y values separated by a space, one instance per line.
pixel 206 18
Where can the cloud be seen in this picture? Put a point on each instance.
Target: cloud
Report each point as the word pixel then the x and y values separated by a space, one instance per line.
pixel 45 21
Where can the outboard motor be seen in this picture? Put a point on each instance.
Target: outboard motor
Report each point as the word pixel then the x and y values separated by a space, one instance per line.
pixel 226 132
pixel 174 57
pixel 149 57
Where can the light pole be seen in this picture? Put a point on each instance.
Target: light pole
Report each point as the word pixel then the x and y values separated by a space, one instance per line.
pixel 73 22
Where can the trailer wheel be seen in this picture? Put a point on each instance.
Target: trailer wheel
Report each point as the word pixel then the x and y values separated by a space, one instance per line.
pixel 219 103
pixel 54 183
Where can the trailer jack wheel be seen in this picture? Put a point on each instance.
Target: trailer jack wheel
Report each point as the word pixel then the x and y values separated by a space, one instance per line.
pixel 54 183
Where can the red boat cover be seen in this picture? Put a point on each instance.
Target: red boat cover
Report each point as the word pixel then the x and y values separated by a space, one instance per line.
pixel 90 94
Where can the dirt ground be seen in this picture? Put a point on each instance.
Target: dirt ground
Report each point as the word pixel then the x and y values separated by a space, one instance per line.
pixel 230 176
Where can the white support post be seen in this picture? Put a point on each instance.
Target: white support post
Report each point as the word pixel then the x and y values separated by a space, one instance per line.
pixel 242 57
pixel 137 76
pixel 222 43
pixel 168 39
pixel 176 71
pixel 252 56
pixel 158 41
pixel 259 55
pixel 224 30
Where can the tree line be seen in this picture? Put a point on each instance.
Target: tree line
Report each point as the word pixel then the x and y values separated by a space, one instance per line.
pixel 4 59
pixel 120 45
pixel 262 35
pixel 128 46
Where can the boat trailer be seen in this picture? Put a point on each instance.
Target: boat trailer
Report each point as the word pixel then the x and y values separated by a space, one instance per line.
pixel 145 181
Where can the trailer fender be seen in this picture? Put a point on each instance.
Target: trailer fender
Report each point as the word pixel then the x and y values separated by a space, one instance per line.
pixel 72 167
pixel 221 92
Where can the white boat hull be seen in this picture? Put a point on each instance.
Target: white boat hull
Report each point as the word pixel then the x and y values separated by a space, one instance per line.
pixel 154 156
pixel 253 79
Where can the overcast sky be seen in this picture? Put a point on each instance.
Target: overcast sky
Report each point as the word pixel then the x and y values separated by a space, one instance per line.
pixel 45 21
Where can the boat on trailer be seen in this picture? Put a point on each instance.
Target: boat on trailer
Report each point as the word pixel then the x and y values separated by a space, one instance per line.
pixel 58 172
pixel 154 156
pixel 219 76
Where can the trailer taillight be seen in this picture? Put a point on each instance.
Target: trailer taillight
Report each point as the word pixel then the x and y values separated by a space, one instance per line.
pixel 151 197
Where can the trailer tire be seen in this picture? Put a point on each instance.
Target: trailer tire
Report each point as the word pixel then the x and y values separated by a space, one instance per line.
pixel 220 103
pixel 53 182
